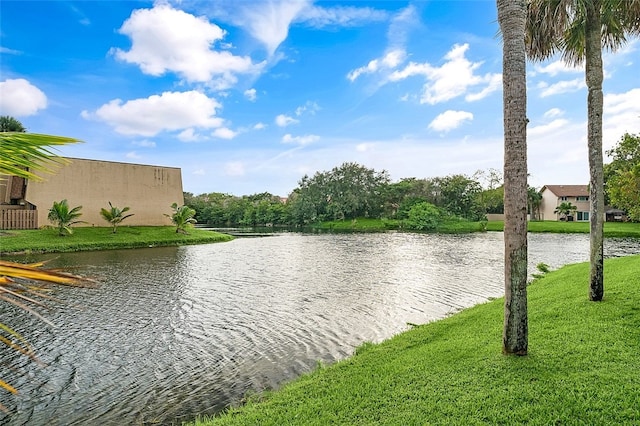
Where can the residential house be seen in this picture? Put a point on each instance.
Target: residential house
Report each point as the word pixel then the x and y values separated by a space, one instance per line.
pixel 554 195
pixel 148 190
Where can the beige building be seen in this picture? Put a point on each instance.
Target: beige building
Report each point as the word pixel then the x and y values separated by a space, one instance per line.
pixel 554 195
pixel 147 190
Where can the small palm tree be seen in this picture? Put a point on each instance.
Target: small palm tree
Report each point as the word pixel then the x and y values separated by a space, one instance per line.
pixel 564 209
pixel 114 215
pixel 182 217
pixel 63 217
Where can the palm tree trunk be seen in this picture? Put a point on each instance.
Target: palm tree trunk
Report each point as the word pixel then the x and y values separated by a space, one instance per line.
pixel 512 17
pixel 593 73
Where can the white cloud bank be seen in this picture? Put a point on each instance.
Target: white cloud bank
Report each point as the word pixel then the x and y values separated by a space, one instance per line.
pixel 284 120
pixel 165 39
pixel 20 98
pixel 456 77
pixel 169 111
pixel 450 120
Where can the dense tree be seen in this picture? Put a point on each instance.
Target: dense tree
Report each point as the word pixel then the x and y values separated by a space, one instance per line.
pixel 424 217
pixel 63 217
pixel 458 195
pixel 622 175
pixel 10 124
pixel 512 16
pixel 534 201
pixel 114 215
pixel 491 198
pixel 346 192
pixel 579 30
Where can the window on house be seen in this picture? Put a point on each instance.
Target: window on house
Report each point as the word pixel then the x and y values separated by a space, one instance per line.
pixel 584 216
pixel 564 198
pixel 582 198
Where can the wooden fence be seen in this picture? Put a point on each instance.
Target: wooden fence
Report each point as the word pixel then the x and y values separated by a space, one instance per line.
pixel 18 219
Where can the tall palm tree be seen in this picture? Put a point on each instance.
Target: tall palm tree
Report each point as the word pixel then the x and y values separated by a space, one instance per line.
pixel 63 217
pixel 114 215
pixel 512 16
pixel 580 30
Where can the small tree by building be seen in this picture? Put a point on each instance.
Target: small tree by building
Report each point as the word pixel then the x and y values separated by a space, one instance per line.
pixel 63 217
pixel 565 210
pixel 182 217
pixel 114 215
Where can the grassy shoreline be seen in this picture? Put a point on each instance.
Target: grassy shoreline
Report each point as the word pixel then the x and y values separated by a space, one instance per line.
pixel 582 366
pixel 102 238
pixel 611 229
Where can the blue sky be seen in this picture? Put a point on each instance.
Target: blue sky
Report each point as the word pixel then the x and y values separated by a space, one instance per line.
pixel 248 96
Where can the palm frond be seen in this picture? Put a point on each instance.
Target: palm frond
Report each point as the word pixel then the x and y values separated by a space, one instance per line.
pixel 24 153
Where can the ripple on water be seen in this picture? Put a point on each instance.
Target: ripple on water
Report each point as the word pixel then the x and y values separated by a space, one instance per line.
pixel 177 332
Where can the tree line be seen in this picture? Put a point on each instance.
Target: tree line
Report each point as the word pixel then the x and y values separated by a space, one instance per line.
pixel 352 191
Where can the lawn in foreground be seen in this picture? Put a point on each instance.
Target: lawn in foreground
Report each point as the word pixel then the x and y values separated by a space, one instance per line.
pixel 99 238
pixel 582 367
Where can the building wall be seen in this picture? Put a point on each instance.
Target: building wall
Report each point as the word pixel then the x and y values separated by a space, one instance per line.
pixel 550 201
pixel 147 190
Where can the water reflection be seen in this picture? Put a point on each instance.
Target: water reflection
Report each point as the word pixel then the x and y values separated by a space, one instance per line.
pixel 176 332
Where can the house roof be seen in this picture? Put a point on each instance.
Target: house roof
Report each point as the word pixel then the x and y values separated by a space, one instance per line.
pixel 568 190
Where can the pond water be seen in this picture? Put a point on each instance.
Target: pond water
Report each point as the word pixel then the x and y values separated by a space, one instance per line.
pixel 177 332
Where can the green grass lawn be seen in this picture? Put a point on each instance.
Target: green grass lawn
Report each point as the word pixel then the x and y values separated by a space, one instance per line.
pixel 583 366
pixel 99 238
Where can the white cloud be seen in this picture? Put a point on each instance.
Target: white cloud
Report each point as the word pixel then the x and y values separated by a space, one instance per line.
pixel 165 39
pixel 157 113
pixel 309 107
pixel 621 115
pixel 546 129
pixel 300 140
pixel 234 168
pixel 364 147
pixel 400 25
pixel 224 133
pixel 199 172
pixel 557 67
pixel 133 155
pixel 450 120
pixel 9 51
pixel 269 21
pixel 450 80
pixel 554 112
pixel 250 94
pixel 20 98
pixel 560 87
pixel 389 61
pixel 260 126
pixel 188 135
pixel 284 120
pixel 344 16
pixel 145 143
